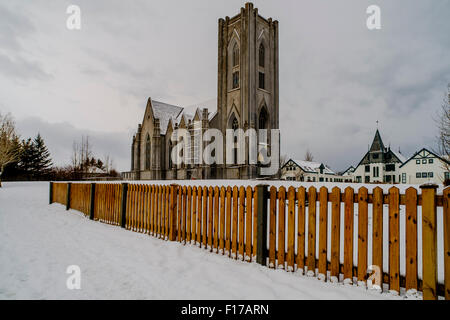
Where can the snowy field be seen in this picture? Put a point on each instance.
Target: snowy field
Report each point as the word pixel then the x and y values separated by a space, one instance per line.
pixel 38 242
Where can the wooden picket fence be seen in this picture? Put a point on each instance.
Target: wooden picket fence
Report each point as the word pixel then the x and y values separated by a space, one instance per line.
pixel 305 230
pixel 59 193
pixel 107 203
pixel 80 197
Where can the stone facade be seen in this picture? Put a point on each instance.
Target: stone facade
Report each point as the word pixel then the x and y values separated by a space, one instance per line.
pixel 247 97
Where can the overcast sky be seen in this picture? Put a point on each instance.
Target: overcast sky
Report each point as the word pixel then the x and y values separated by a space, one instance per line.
pixel 337 78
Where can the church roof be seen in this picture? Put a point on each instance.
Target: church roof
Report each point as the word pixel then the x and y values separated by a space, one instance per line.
pixel 163 112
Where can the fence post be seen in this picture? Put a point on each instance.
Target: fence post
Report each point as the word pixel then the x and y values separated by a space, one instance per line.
pixel 123 210
pixel 50 197
pixel 69 185
pixel 91 209
pixel 261 242
pixel 429 241
pixel 173 213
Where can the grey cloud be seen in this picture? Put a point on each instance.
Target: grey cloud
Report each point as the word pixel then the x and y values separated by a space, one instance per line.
pixel 59 138
pixel 336 77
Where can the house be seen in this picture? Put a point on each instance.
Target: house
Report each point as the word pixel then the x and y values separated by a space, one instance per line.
pixel 424 167
pixel 380 164
pixel 348 174
pixel 299 170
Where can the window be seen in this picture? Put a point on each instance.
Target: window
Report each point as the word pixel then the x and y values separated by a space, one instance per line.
pixel 320 179
pixel 263 118
pixel 235 125
pixel 424 175
pixel 261 81
pixel 418 175
pixel 147 153
pixel 235 55
pixel 447 175
pixel 424 161
pixel 376 172
pixel 375 156
pixel 236 80
pixel 367 168
pixel 367 179
pixel 430 174
pixel 262 54
pixel 358 179
pixel 417 161
pixel 430 161
pixel 403 177
pixel 390 167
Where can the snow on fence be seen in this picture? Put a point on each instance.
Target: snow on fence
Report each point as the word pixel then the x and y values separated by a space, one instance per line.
pixel 340 236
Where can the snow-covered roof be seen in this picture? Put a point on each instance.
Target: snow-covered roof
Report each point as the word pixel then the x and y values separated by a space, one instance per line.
pixel 163 112
pixel 309 166
pixel 400 157
pixel 212 115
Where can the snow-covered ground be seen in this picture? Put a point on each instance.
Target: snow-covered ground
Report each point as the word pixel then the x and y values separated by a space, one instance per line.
pixel 38 242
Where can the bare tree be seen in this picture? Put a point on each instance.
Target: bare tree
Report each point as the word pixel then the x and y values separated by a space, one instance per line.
pixel 443 123
pixel 9 143
pixel 81 154
pixel 309 156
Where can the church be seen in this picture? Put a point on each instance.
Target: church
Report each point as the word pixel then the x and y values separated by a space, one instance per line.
pixel 247 98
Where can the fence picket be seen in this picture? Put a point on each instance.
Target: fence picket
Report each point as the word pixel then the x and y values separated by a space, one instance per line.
pixel 272 226
pixel 235 223
pixel 281 227
pixel 363 224
pixel 301 222
pixel 348 235
pixel 323 231
pixel 248 225
pixel 411 239
pixel 312 198
pixel 394 244
pixel 291 230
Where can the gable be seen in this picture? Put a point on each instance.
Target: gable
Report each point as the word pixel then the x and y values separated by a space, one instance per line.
pixel 424 154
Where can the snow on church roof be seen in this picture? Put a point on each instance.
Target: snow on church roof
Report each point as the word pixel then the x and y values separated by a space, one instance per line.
pixel 163 112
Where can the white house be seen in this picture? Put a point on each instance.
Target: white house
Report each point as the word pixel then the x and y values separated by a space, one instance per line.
pixel 299 170
pixel 380 164
pixel 348 174
pixel 424 167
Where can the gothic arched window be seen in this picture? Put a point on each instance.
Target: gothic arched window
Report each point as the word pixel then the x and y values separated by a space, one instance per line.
pixel 235 55
pixel 235 124
pixel 262 55
pixel 170 154
pixel 147 153
pixel 263 117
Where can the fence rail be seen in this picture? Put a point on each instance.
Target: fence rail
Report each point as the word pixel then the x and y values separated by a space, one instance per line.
pixel 351 236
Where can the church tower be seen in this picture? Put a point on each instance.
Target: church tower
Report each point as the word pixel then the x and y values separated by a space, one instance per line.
pixel 248 76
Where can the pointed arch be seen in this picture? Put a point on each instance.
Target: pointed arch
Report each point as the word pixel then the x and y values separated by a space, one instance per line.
pixel 263 117
pixel 236 55
pixel 262 55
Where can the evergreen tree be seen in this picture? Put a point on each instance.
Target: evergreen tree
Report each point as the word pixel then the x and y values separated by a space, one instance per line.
pixel 42 161
pixel 27 158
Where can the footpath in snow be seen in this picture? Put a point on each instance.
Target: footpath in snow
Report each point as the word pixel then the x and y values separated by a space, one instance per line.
pixel 39 241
